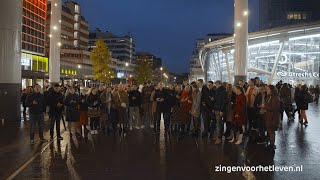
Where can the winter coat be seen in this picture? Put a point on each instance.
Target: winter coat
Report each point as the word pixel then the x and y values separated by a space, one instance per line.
pixel 272 116
pixel 53 99
pixel 72 112
pixel 94 101
pixel 119 97
pixel 162 106
pixel 106 98
pixel 220 100
pixel 205 100
pixel 38 108
pixel 134 98
pixel 196 101
pixel 240 109
pixel 171 98
pixel 83 103
pixel 301 99
pixel 146 93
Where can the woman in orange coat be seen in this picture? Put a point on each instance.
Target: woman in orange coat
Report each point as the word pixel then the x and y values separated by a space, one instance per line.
pixel 239 115
pixel 186 104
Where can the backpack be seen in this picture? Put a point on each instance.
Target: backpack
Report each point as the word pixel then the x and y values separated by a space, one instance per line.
pixel 308 98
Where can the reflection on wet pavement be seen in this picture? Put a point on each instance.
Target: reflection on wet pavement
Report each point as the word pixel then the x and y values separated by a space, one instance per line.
pixel 142 155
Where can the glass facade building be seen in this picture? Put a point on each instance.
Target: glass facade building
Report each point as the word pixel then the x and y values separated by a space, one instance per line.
pixel 290 54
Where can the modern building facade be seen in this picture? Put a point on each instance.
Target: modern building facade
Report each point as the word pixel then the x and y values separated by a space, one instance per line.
pixel 75 56
pixel 152 60
pixel 122 47
pixel 195 67
pixel 275 13
pixel 290 54
pixel 33 61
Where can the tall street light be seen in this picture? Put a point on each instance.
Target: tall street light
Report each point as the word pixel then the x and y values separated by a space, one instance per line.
pixel 161 69
pixel 127 64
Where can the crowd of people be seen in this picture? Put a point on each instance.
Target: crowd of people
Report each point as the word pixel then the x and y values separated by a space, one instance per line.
pixel 252 109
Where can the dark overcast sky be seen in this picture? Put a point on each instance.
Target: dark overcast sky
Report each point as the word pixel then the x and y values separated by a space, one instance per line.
pixel 167 28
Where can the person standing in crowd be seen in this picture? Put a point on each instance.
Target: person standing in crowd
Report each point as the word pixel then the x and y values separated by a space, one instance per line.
pixel 106 98
pixel 272 115
pixel 37 108
pixel 56 105
pixel 285 102
pixel 297 100
pixel 316 94
pixel 176 110
pixel 100 90
pixel 258 81
pixel 186 104
pixel 134 107
pixel 239 115
pixel 147 103
pixel 94 112
pixel 171 99
pixel 259 100
pixel 231 97
pixel 210 105
pixel 219 107
pixel 83 108
pixel 195 109
pixel 251 94
pixel 204 109
pixel 23 101
pixel 243 85
pixel 153 106
pixel 161 96
pixel 72 112
pixel 303 104
pixel 121 101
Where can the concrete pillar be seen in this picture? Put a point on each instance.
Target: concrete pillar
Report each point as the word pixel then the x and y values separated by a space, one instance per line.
pixel 10 60
pixel 55 42
pixel 241 39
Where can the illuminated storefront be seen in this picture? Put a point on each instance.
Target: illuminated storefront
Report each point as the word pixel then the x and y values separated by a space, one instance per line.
pixel 290 54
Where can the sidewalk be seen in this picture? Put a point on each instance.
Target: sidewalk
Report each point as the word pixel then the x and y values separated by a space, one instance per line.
pixel 15 147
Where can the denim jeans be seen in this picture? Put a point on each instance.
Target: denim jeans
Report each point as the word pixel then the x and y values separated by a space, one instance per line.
pixel 134 112
pixel 55 119
pixel 36 119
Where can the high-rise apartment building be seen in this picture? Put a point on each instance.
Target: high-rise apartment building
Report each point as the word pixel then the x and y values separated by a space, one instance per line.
pixel 75 57
pixel 275 13
pixel 122 47
pixel 34 63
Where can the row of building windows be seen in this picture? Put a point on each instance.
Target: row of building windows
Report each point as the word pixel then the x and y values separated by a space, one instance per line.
pixel 33 24
pixel 31 47
pixel 39 3
pixel 35 10
pixel 297 15
pixel 32 39
pixel 33 32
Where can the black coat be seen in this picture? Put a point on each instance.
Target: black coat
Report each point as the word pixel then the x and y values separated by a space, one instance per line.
pixel 91 99
pixel 220 100
pixel 72 113
pixel 171 98
pixel 164 105
pixel 38 108
pixel 83 103
pixel 301 99
pixel 53 99
pixel 258 101
pixel 134 98
pixel 205 100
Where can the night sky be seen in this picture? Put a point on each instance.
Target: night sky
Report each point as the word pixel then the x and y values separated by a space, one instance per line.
pixel 166 28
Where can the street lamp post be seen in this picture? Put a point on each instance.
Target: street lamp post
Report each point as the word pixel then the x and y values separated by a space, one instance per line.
pixel 161 69
pixel 126 72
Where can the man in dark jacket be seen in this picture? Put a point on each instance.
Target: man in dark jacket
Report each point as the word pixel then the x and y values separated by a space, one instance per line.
pixel 134 107
pixel 161 97
pixel 147 104
pixel 204 109
pixel 55 103
pixel 211 115
pixel 219 107
pixel 37 108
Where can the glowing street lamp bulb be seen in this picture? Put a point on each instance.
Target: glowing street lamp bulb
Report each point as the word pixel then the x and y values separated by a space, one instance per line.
pixel 161 68
pixel 59 21
pixel 127 64
pixel 234 35
pixel 238 24
pixel 50 35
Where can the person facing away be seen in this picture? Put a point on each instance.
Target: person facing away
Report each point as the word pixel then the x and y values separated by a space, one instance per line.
pixel 37 108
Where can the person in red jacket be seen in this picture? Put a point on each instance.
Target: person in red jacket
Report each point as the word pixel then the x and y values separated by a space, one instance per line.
pixel 239 115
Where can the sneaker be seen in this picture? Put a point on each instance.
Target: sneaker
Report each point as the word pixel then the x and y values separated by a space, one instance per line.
pixel 142 127
pixel 92 132
pixel 130 128
pixel 137 127
pixel 95 131
pixel 60 138
pixel 31 141
pixel 43 140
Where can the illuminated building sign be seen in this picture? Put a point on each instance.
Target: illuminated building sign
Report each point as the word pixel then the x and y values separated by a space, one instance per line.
pixel 68 71
pixel 293 74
